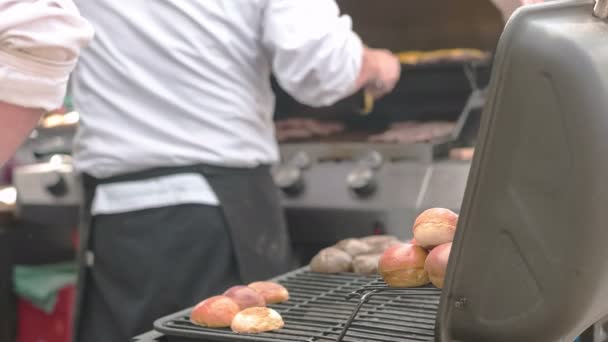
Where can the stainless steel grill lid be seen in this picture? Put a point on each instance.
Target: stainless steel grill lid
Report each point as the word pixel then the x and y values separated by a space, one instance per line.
pixel 530 261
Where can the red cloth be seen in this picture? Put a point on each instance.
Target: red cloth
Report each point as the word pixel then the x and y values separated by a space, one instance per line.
pixel 35 325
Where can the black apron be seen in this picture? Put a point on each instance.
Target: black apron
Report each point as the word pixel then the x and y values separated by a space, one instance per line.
pixel 250 204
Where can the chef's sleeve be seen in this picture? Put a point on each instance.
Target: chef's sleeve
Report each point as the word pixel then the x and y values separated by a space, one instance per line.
pixel 40 41
pixel 316 56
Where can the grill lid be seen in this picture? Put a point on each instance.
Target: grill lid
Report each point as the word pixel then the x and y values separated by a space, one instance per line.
pixel 529 261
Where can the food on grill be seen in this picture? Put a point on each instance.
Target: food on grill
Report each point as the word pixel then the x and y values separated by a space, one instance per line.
pixel 245 297
pixel 434 227
pixel 300 128
pixel 403 266
pixel 437 263
pixel 214 312
pixel 354 247
pixel 464 153
pixel 273 293
pixel 442 56
pixel 292 134
pixel 380 243
pixel 366 264
pixel 257 320
pixel 331 260
pixel 409 132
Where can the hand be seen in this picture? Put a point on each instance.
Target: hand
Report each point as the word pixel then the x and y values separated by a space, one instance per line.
pixel 387 71
pixel 380 72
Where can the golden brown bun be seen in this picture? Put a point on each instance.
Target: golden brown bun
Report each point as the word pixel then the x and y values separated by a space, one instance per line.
pixel 435 227
pixel 331 260
pixel 403 266
pixel 214 312
pixel 366 264
pixel 245 297
pixel 437 263
pixel 257 320
pixel 354 247
pixel 272 292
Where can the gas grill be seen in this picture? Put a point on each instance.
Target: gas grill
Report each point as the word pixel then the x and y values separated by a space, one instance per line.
pixel 529 260
pixel 346 186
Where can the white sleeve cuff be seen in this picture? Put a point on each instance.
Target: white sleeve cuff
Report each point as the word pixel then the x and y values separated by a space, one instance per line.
pixel 32 83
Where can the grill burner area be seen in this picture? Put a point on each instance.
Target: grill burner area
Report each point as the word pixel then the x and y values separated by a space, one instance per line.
pixel 318 310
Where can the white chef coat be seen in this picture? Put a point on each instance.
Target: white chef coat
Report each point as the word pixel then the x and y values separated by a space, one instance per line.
pixel 40 41
pixel 178 82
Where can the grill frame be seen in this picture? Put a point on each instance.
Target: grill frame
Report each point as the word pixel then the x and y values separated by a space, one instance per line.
pixel 318 310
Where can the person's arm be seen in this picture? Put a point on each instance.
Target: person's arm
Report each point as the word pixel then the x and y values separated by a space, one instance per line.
pixel 40 41
pixel 316 56
pixel 16 124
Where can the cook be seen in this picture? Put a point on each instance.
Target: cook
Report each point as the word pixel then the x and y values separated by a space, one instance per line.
pixel 34 65
pixel 176 140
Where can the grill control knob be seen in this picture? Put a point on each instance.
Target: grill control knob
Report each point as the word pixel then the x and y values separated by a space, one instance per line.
pixel 372 159
pixel 59 187
pixel 289 179
pixel 362 181
pixel 301 160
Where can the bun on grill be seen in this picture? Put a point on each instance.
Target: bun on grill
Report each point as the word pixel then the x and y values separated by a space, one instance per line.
pixel 366 264
pixel 214 312
pixel 379 243
pixel 245 297
pixel 354 247
pixel 273 293
pixel 437 263
pixel 435 227
pixel 257 320
pixel 403 266
pixel 331 260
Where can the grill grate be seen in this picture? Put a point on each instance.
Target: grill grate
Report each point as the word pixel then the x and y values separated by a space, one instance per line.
pixel 318 310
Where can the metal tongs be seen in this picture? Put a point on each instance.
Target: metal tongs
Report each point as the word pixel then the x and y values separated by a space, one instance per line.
pixel 601 9
pixel 369 95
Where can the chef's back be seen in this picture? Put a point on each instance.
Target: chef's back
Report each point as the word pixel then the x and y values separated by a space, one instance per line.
pixel 189 80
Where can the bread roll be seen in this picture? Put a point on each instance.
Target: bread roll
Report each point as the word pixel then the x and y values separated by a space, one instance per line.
pixel 245 297
pixel 331 260
pixel 403 266
pixel 354 247
pixel 273 293
pixel 435 227
pixel 380 243
pixel 366 264
pixel 214 312
pixel 437 263
pixel 257 320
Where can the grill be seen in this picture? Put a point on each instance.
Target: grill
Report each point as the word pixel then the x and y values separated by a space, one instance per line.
pixel 319 309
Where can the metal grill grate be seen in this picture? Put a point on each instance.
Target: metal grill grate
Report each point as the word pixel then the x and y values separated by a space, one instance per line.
pixel 318 310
